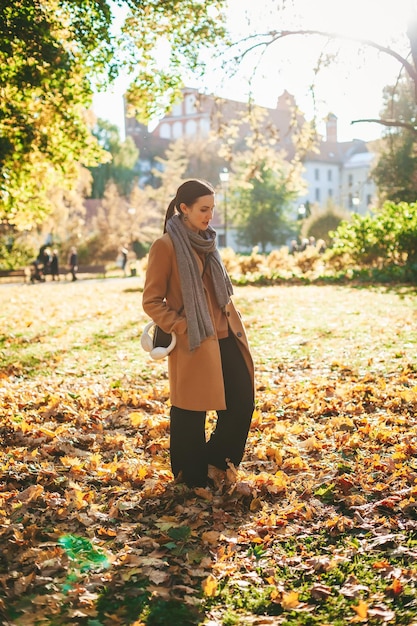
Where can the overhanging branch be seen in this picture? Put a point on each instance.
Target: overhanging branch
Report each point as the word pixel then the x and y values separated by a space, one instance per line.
pixel 389 123
pixel 273 36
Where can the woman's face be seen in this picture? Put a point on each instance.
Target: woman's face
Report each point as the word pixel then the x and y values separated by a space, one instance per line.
pixel 199 214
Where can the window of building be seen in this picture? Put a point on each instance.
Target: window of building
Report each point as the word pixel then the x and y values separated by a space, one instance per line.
pixel 317 194
pixel 165 131
pixel 350 180
pixel 190 104
pixel 316 174
pixel 177 109
pixel 177 130
pixel 191 128
pixel 330 193
pixel 350 201
pixel 329 175
pixel 368 199
pixel 221 240
pixel 204 126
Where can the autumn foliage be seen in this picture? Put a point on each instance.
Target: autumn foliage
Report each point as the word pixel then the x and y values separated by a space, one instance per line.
pixel 317 526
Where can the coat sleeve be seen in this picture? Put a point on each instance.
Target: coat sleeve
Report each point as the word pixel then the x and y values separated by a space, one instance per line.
pixel 158 301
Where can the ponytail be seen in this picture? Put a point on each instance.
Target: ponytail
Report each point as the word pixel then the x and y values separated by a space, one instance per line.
pixel 170 212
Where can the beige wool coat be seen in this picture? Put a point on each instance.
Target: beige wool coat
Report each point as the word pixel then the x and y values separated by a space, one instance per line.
pixel 195 377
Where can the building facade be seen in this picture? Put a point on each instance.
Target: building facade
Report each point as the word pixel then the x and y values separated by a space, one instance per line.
pixel 339 173
pixel 336 173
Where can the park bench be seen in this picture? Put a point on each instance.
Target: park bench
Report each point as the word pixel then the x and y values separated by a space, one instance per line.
pixel 86 270
pixel 23 273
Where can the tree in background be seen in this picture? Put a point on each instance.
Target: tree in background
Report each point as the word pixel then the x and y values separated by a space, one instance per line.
pixel 170 172
pixel 396 170
pixel 145 221
pixel 120 168
pixel 53 54
pixel 66 225
pixel 109 228
pixel 44 97
pixel 185 29
pixel 260 205
pixel 320 223
pixel 263 180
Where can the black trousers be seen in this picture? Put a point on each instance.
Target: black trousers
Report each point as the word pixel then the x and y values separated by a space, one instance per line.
pixel 190 452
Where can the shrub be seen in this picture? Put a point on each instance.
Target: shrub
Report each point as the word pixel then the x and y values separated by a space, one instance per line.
pixel 15 254
pixel 308 260
pixel 388 237
pixel 320 224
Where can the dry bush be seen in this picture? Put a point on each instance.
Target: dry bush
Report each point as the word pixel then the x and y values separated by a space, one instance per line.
pixel 280 260
pixel 308 260
pixel 231 260
pixel 252 263
pixel 337 261
pixel 321 222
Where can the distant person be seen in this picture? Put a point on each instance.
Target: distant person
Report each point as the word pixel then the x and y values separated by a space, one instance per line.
pixel 47 257
pixel 35 272
pixel 124 253
pixel 54 265
pixel 73 263
pixel 321 246
pixel 44 260
pixel 293 246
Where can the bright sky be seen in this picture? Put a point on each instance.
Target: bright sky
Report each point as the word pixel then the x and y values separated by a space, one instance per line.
pixel 351 84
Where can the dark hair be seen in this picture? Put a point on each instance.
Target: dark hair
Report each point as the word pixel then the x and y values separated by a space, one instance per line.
pixel 188 193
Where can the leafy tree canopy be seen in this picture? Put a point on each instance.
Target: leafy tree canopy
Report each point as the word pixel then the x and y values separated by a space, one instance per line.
pixel 396 170
pixel 260 206
pixel 121 166
pixel 53 53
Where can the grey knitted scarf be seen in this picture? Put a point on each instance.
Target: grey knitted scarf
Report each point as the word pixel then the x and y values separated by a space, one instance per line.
pixel 185 240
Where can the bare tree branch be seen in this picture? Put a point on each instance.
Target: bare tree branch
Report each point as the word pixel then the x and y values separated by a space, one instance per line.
pixel 389 123
pixel 276 35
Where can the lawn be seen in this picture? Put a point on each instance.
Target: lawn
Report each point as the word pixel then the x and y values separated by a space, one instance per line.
pixel 318 525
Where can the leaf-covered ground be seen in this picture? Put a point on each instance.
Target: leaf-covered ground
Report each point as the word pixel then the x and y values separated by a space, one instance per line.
pixel 317 526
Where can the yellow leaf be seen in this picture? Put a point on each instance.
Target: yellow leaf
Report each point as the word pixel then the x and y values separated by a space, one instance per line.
pixel 256 504
pixel 47 432
pixel 209 586
pixel 72 461
pixel 141 472
pixel 136 418
pixel 256 418
pixel 361 609
pixel 290 600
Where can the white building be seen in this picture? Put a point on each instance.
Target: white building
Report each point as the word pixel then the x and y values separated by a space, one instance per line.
pixel 336 172
pixel 339 172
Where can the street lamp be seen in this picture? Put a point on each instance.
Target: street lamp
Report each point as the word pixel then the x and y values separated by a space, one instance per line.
pixel 301 211
pixel 224 179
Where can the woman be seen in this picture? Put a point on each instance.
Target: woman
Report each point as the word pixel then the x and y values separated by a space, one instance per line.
pixel 187 291
pixel 73 263
pixel 55 265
